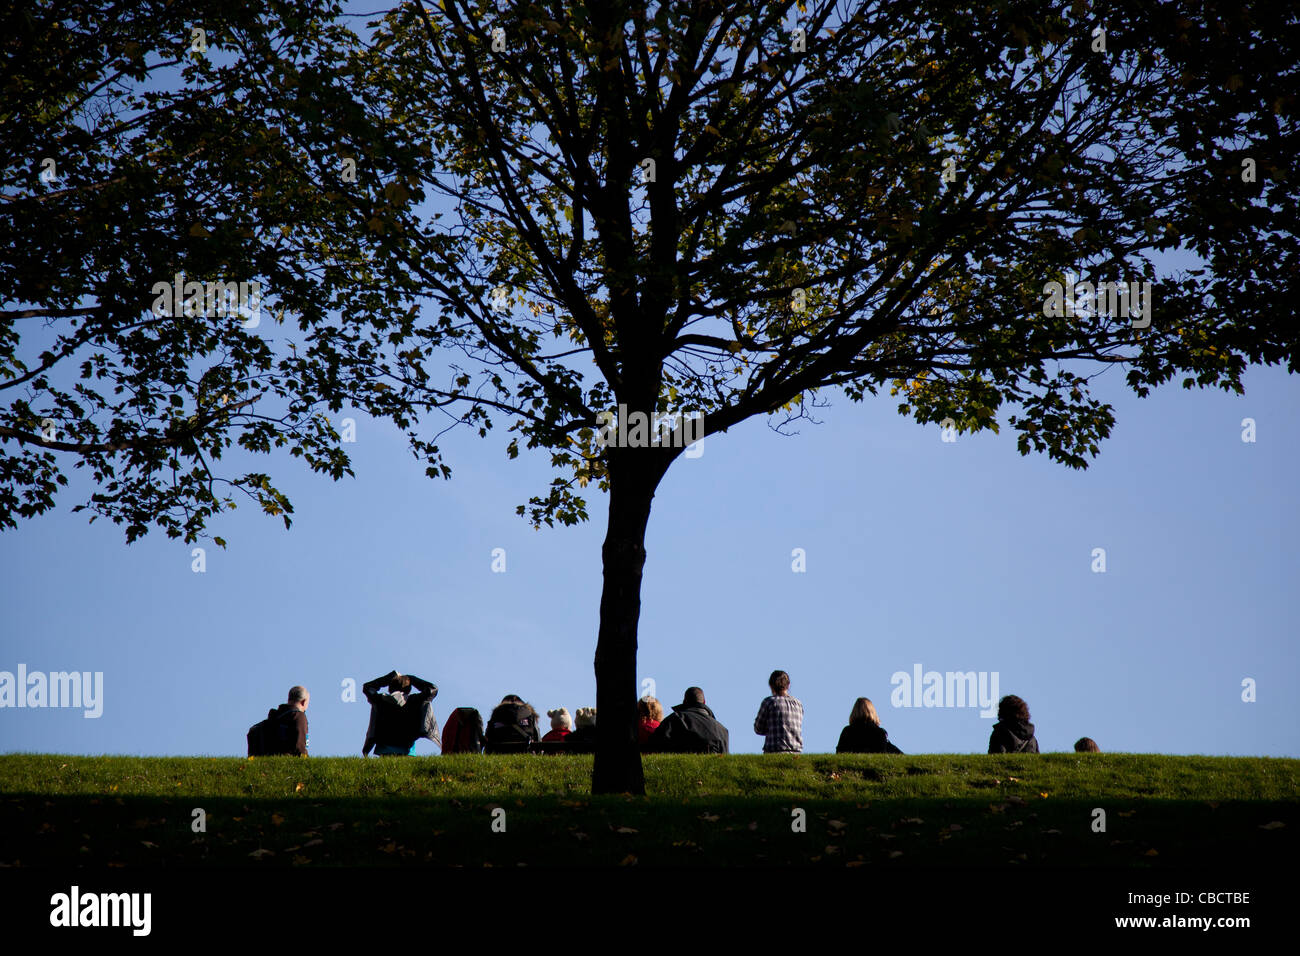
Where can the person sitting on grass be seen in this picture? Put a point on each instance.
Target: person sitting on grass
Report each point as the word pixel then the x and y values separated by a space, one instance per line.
pixel 864 735
pixel 561 726
pixel 1013 733
pixel 1086 745
pixel 396 718
pixel 512 727
pixel 583 740
pixel 690 729
pixel 780 718
pixel 650 714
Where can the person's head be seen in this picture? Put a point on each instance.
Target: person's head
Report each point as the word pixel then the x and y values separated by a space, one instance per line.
pixel 779 682
pixel 648 708
pixel 1012 707
pixel 399 683
pixel 693 697
pixel 586 717
pixel 1086 745
pixel 512 699
pixel 299 697
pixel 560 719
pixel 863 712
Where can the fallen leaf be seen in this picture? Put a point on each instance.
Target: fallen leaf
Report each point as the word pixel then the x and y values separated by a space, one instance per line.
pixel 623 829
pixel 628 860
pixel 152 846
pixel 298 788
pixel 258 854
pixel 1275 825
pixel 313 843
pixel 277 819
pixel 710 817
pixel 1152 852
pixel 895 854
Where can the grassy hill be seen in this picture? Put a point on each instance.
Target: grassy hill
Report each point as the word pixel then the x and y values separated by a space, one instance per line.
pixel 1160 811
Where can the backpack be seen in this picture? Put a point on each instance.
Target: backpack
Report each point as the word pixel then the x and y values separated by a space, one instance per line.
pixel 464 732
pixel 273 736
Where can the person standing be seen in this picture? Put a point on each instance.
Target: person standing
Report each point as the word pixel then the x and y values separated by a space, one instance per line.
pixel 780 718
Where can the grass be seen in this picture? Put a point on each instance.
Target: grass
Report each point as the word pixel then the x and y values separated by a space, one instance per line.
pixel 946 810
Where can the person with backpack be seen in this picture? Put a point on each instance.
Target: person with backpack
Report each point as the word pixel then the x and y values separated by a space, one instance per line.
pixel 512 727
pixel 1013 733
pixel 285 729
pixel 464 732
pixel 399 718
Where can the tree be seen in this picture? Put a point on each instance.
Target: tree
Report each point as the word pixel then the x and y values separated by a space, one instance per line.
pixel 140 166
pixel 732 210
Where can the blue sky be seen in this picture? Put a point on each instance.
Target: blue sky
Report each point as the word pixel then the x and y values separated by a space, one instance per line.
pixel 960 556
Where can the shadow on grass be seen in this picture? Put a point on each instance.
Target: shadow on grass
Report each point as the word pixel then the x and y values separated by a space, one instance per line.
pixel 756 830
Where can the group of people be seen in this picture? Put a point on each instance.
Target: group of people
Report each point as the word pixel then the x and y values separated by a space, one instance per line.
pixel 401 713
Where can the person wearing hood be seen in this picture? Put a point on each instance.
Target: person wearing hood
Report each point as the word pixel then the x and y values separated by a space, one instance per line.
pixel 1013 733
pixel 864 735
pixel 690 729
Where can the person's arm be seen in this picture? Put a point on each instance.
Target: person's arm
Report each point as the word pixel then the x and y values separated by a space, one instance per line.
pixel 300 726
pixel 760 722
pixel 369 745
pixel 423 686
pixel 839 747
pixel 371 688
pixel 996 744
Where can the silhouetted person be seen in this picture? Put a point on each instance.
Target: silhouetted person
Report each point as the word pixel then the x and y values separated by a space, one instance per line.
pixel 285 729
pixel 864 735
pixel 1086 745
pixel 396 720
pixel 583 739
pixel 1013 733
pixel 690 729
pixel 512 727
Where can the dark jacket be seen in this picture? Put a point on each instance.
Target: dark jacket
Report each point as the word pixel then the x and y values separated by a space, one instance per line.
pixel 297 733
pixel 689 729
pixel 395 718
pixel 581 741
pixel 511 729
pixel 1013 737
pixel 865 738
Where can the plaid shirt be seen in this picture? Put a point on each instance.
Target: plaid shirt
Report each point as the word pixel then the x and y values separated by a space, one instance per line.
pixel 780 719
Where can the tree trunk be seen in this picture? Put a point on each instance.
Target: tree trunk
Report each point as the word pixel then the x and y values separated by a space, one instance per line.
pixel 634 474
